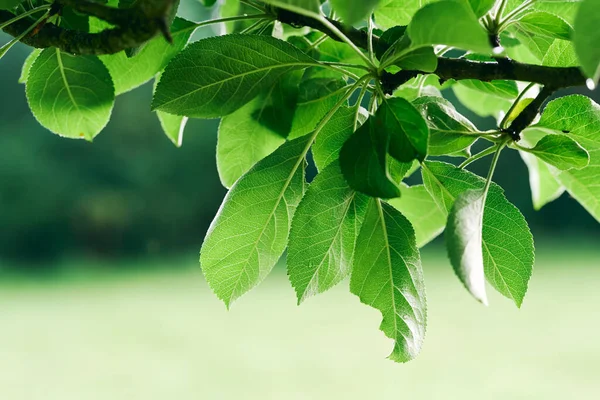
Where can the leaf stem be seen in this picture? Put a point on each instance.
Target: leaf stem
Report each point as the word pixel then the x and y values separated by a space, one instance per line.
pixel 370 42
pixel 23 15
pixel 234 18
pixel 359 100
pixel 514 105
pixel 488 181
pixel 477 156
pixel 513 14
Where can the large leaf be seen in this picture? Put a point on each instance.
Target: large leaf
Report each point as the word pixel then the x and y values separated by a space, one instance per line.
pixel 199 83
pixel 482 102
pixel 406 127
pixel 27 65
pixel 464 241
pixel 250 231
pixel 323 233
pixel 561 54
pixel 388 276
pixel 579 117
pixel 417 205
pixel 449 131
pixel 587 37
pixel 449 23
pixel 353 11
pixel 71 96
pixel 129 73
pixel 507 241
pixel 546 24
pixel 561 152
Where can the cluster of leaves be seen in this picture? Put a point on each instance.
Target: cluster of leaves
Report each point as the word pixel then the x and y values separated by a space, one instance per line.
pixel 284 93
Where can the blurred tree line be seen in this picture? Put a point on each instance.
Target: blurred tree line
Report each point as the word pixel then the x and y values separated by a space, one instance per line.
pixel 132 193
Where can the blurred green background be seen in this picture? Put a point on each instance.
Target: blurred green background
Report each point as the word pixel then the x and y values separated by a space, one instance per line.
pixel 102 296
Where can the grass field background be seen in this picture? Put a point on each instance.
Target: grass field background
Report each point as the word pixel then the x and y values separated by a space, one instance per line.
pixel 161 334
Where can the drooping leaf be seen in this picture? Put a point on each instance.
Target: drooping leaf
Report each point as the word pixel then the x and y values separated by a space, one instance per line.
pixel 27 65
pixel 331 139
pixel 315 98
pixel 387 275
pixel 546 24
pixel 449 131
pixel 323 233
pixel 173 126
pixel 464 241
pixel 407 130
pixel 60 95
pixel 586 38
pixel 449 23
pixel 580 117
pixel 353 11
pixel 197 82
pixel 417 205
pixel 250 231
pixel 507 241
pixel 561 151
pixel 129 73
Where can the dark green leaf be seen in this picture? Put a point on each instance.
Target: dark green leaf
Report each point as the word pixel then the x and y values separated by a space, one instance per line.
pixel 406 127
pixel 323 234
pixel 9 4
pixel 198 83
pixel 387 275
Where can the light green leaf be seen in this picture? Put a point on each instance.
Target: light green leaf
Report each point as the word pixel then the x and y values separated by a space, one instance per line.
pixel 420 59
pixel 561 152
pixel 307 5
pixel 566 9
pixel 482 102
pixel 544 186
pixel 449 132
pixel 198 83
pixel 331 139
pixel 352 12
pixel 417 205
pixel 316 97
pixel 71 96
pixel 27 65
pixel 579 117
pixel 464 241
pixel 323 234
pixel 129 73
pixel 406 127
pixel 481 7
pixel 587 38
pixel 546 24
pixel 507 241
pixel 561 54
pixel 449 23
pixel 173 126
pixel 387 275
pixel 390 13
pixel 250 231
pixel 537 45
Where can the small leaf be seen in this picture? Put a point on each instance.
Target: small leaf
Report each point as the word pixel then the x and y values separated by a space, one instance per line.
pixel 417 205
pixel 586 38
pixel 323 234
pixel 561 151
pixel 352 12
pixel 27 65
pixel 250 231
pixel 507 241
pixel 197 82
pixel 449 23
pixel 464 241
pixel 173 126
pixel 60 95
pixel 546 24
pixel 387 275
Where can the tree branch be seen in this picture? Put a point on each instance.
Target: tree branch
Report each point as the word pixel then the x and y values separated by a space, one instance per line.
pixel 528 114
pixel 134 26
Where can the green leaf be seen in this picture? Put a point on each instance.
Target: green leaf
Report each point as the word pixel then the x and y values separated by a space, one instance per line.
pixel 71 96
pixel 352 12
pixel 464 241
pixel 406 127
pixel 27 65
pixel 537 45
pixel 129 73
pixel 499 88
pixel 579 116
pixel 417 205
pixel 561 54
pixel 9 4
pixel 390 13
pixel 449 23
pixel 546 24
pixel 544 186
pixel 323 234
pixel 364 162
pixel 250 231
pixel 316 97
pixel 566 9
pixel 507 241
pixel 387 275
pixel 481 7
pixel 208 3
pixel 561 152
pixel 173 126
pixel 449 132
pixel 481 102
pixel 419 59
pixel 198 83
pixel 586 38
pixel 309 5
pixel 331 139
